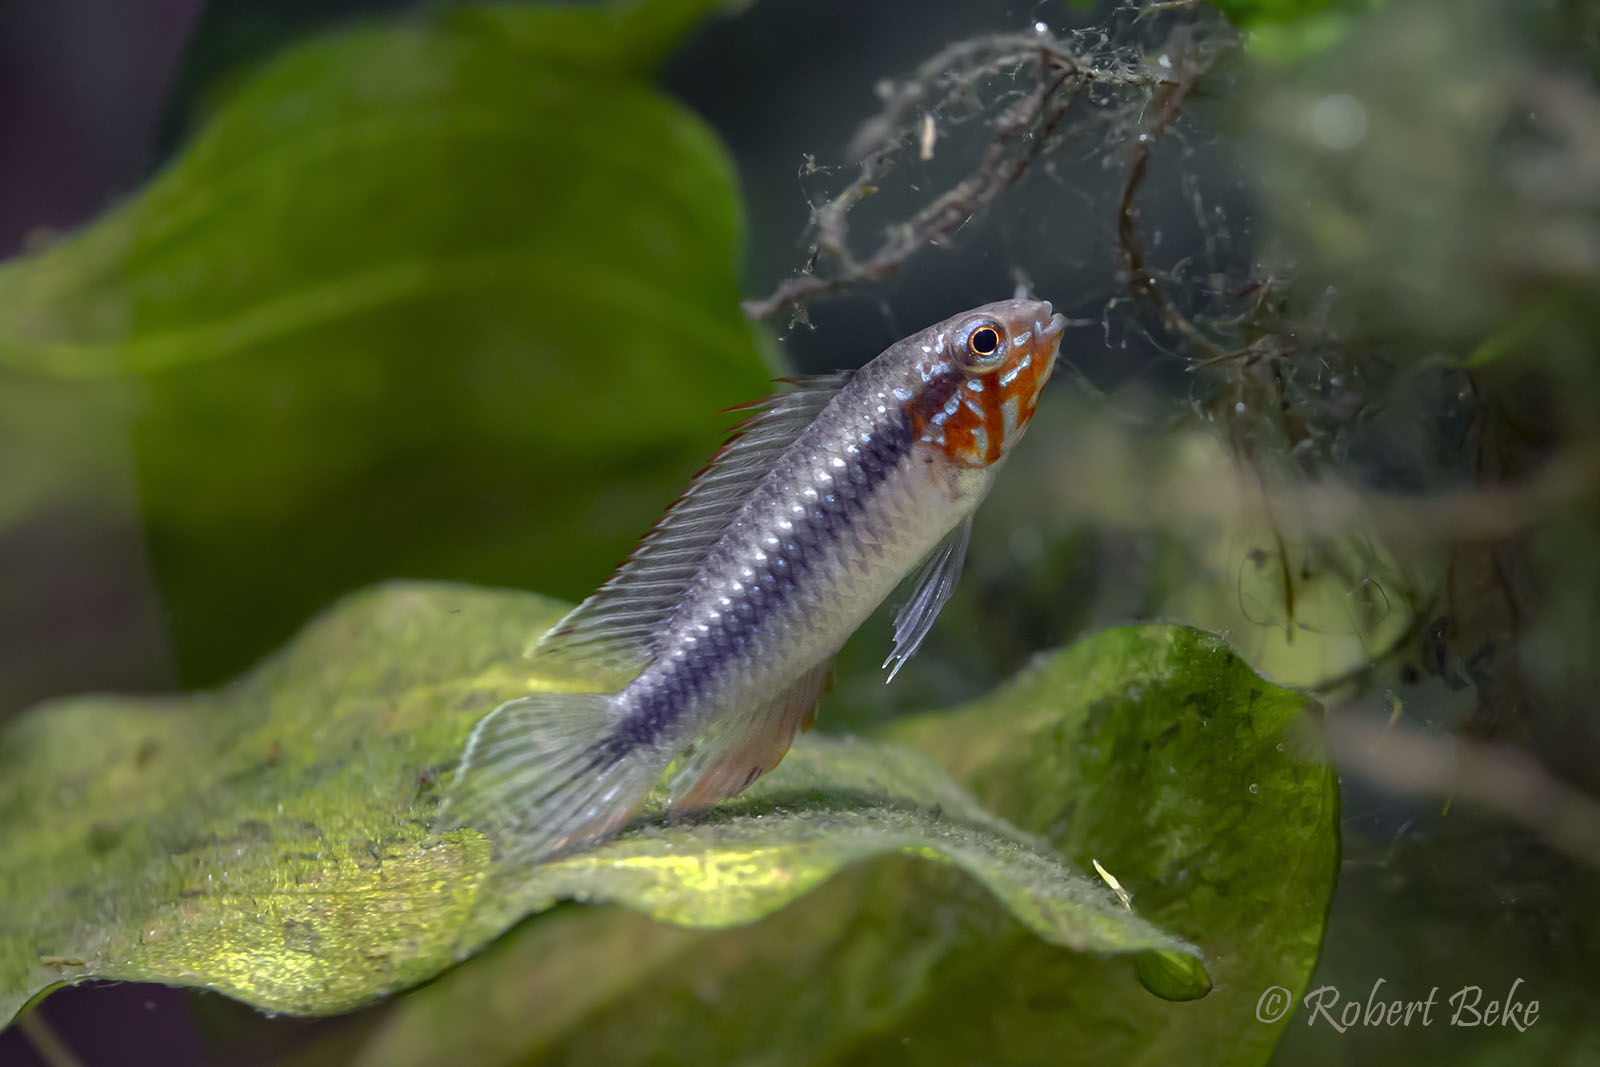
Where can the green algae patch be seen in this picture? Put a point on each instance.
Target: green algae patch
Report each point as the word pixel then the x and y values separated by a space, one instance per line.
pixel 272 840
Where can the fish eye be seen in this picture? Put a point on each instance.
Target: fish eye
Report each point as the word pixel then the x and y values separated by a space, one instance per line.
pixel 983 344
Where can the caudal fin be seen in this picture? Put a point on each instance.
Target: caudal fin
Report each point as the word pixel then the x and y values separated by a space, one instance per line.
pixel 539 774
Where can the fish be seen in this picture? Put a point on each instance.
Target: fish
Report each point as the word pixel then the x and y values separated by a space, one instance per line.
pixel 710 647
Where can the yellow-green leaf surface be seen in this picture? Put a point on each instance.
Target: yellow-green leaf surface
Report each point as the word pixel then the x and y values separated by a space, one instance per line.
pixel 271 841
pixel 1153 750
pixel 467 274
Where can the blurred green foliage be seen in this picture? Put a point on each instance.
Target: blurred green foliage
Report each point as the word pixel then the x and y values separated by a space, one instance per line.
pixel 271 841
pixel 397 305
pixel 1428 272
pixel 1285 32
pixel 1282 31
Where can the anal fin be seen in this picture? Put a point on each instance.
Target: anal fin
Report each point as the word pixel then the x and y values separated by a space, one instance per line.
pixel 810 718
pixel 727 761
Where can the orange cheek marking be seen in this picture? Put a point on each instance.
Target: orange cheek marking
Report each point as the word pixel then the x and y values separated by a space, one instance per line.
pixel 973 438
pixel 973 434
pixel 1025 388
pixel 994 424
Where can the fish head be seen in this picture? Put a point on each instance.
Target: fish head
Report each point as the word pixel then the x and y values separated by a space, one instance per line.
pixel 977 378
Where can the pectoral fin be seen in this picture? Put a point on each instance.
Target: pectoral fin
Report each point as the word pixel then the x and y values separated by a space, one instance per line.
pixel 934 584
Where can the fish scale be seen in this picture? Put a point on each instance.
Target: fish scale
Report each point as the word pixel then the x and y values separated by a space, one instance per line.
pixel 710 648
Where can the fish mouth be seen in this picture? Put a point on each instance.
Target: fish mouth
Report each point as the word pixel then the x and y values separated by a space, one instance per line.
pixel 1057 324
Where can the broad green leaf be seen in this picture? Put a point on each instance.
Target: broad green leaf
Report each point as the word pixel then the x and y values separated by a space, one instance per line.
pixel 469 276
pixel 271 840
pixel 1154 750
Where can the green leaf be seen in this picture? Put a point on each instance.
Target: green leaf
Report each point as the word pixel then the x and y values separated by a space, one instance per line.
pixel 271 841
pixel 1158 752
pixel 470 276
pixel 1138 747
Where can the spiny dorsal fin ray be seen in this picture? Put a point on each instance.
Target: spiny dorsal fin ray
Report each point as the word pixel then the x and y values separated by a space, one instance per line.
pixel 934 584
pixel 607 640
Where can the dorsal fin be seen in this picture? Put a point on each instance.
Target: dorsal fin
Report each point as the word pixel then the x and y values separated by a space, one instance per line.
pixel 608 639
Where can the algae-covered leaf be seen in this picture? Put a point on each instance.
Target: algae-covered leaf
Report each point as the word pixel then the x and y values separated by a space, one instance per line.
pixel 1136 748
pixel 1157 752
pixel 467 274
pixel 271 840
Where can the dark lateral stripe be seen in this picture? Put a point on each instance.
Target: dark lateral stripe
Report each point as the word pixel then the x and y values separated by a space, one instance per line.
pixel 665 703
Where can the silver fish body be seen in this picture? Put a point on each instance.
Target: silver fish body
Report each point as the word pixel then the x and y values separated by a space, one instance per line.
pixel 712 643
